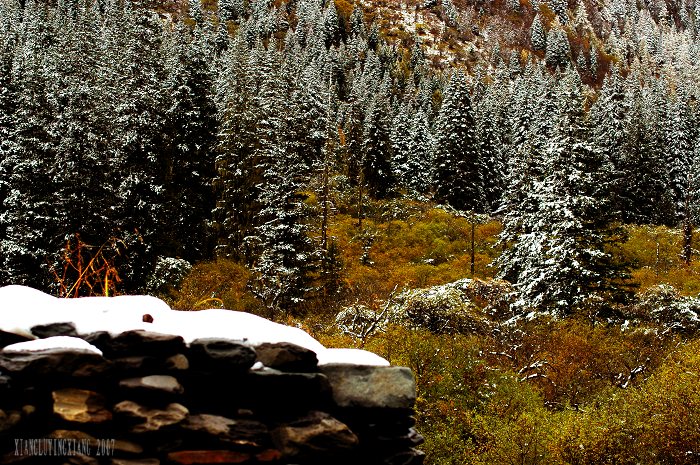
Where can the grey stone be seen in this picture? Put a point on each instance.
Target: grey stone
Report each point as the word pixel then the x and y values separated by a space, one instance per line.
pixel 154 384
pixel 371 387
pixel 11 338
pixel 287 357
pixel 316 435
pixel 54 329
pixel 240 432
pixel 54 362
pixel 150 419
pixel 80 406
pixel 406 457
pixel 220 354
pixel 136 342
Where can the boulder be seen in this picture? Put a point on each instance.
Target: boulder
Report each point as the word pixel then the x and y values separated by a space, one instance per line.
pixel 150 419
pixel 80 406
pixel 285 356
pixel 371 387
pixel 316 435
pixel 212 354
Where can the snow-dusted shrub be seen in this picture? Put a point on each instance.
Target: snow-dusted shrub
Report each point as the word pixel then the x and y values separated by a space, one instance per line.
pixel 169 273
pixel 361 321
pixel 439 309
pixel 463 306
pixel 673 311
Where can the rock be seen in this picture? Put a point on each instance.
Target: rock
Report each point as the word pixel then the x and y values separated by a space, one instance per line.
pixel 148 365
pixel 270 389
pixel 177 362
pixel 81 459
pixel 220 354
pixel 9 420
pixel 406 457
pixel 54 329
pixel 51 363
pixel 371 387
pixel 11 338
pixel 149 419
pixel 5 383
pixel 408 439
pixel 206 457
pixel 161 386
pixel 268 455
pixel 316 435
pixel 239 432
pixel 134 462
pixel 80 406
pixel 137 342
pixel 287 357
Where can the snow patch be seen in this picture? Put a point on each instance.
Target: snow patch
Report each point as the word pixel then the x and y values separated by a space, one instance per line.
pixel 56 342
pixel 350 357
pixel 22 308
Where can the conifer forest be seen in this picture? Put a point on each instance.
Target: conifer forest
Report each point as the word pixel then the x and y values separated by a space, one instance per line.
pixel 502 195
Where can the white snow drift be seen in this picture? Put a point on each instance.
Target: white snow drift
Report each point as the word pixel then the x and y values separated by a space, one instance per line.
pixel 22 308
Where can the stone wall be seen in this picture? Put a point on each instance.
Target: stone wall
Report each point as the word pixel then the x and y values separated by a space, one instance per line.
pixel 150 398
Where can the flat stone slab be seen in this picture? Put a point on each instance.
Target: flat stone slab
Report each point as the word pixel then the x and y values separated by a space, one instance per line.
pixel 137 342
pixel 54 329
pixel 285 356
pixel 371 387
pixel 80 406
pixel 316 435
pixel 54 362
pixel 240 432
pixel 217 354
pixel 153 385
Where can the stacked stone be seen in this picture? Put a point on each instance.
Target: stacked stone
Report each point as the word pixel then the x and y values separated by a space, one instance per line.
pixel 151 399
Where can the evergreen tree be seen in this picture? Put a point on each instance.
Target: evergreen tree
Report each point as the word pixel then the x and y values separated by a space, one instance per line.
pixel 376 146
pixel 538 36
pixel 568 264
pixel 458 166
pixel 190 124
pixel 558 49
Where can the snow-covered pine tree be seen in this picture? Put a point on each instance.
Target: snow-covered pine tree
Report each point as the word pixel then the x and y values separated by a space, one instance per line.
pixel 538 36
pixel 419 165
pixel 568 265
pixel 376 145
pixel 29 221
pixel 283 254
pixel 400 142
pixel 136 104
pixel 458 165
pixel 558 48
pixel 191 140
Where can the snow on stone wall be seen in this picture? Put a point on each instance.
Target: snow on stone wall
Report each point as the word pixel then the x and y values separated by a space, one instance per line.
pixel 127 380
